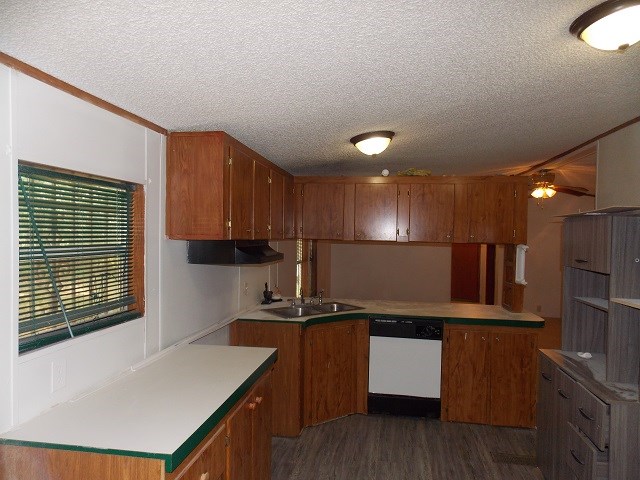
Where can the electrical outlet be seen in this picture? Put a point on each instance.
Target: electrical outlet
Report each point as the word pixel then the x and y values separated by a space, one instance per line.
pixel 58 375
pixel 246 289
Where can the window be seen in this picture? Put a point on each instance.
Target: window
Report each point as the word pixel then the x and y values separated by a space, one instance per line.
pixel 81 255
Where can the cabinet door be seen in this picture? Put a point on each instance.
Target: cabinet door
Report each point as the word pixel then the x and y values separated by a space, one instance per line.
pixel 240 433
pixel 211 462
pixel 470 213
pixel 431 212
pixel 261 435
pixel 563 410
pixel 287 371
pixel 322 211
pixel 261 198
pixel 332 372
pixel 587 243
pixel 546 438
pixel 376 211
pixel 241 194
pixel 513 379
pixel 289 208
pixel 467 357
pixel 276 229
pixel 499 202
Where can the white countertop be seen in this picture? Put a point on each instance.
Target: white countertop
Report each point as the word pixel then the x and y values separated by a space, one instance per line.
pixel 154 410
pixel 454 311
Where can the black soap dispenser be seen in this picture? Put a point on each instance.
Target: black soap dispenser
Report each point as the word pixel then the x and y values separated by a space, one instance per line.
pixel 268 295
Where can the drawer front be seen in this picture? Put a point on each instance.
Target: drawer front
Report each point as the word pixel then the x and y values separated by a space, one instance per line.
pixel 584 459
pixel 566 389
pixel 592 417
pixel 547 369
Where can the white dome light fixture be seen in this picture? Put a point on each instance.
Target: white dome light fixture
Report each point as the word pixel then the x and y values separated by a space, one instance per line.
pixel 373 143
pixel 613 25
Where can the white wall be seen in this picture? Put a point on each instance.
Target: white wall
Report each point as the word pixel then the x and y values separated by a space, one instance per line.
pixel 619 168
pixel 543 272
pixel 392 271
pixel 41 124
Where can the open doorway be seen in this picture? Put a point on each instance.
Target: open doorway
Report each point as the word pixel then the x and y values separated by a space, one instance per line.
pixel 473 273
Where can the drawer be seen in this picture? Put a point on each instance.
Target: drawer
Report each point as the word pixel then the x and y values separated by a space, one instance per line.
pixel 566 391
pixel 592 417
pixel 208 464
pixel 584 459
pixel 547 369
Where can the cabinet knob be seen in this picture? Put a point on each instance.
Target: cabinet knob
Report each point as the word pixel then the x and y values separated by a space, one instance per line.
pixel 449 235
pixel 248 230
pixel 338 234
pixel 252 406
pixel 497 339
pixel 407 232
pixel 259 400
pixel 204 476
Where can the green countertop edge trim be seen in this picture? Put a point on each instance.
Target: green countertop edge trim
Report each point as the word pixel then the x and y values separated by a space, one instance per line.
pixel 359 316
pixel 172 461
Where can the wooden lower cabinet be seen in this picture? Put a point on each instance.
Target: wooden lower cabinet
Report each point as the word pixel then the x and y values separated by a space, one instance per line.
pixel 287 371
pixel 489 375
pixel 336 370
pixel 321 372
pixel 249 433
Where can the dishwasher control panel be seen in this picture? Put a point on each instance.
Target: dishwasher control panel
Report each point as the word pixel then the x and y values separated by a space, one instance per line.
pixel 406 327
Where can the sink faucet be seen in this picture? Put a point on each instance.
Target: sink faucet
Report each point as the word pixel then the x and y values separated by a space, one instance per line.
pixel 301 297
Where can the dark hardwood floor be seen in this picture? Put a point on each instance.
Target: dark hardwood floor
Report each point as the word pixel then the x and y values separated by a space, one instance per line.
pixel 379 447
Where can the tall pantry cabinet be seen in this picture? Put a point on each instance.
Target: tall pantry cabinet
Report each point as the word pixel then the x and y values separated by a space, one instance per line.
pixel 588 409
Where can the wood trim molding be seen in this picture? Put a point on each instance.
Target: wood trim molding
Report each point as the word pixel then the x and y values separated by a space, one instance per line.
pixel 538 166
pixel 33 72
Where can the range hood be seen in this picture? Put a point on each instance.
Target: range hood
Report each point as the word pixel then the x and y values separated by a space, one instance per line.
pixel 231 252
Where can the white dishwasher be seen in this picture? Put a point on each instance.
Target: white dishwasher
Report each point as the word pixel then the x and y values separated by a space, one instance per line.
pixel 405 358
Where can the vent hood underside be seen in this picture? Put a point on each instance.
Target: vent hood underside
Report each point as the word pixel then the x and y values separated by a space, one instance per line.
pixel 231 252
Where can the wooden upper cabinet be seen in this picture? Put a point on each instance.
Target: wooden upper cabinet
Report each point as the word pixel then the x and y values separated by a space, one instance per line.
pixel 322 211
pixel 431 212
pixel 261 199
pixel 217 188
pixel 276 228
pixel 490 212
pixel 241 194
pixel 289 208
pixel 196 176
pixel 376 211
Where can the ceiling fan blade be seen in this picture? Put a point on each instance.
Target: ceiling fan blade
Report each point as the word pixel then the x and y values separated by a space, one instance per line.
pixel 577 191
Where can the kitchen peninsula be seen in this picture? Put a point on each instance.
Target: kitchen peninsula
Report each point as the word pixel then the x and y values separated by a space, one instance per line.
pixel 489 359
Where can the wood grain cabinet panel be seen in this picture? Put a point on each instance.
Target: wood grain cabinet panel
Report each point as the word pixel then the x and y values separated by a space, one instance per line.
pixel 467 357
pixel 587 243
pixel 276 215
pixel 322 211
pixel 287 371
pixel 513 378
pixel 336 369
pixel 376 212
pixel 431 212
pixel 546 435
pixel 489 376
pixel 289 208
pixel 261 201
pixel 217 188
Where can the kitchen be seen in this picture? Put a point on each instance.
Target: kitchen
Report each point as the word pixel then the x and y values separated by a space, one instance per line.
pixel 40 123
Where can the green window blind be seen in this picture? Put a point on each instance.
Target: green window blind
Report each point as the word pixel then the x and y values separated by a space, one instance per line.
pixel 76 262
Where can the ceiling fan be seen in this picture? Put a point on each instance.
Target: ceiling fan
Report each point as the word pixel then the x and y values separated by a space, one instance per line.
pixel 542 186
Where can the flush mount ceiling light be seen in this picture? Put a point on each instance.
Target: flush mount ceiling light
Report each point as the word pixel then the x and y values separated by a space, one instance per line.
pixel 373 143
pixel 612 25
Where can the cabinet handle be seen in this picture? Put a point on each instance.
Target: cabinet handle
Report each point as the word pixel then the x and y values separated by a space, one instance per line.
pixel 397 232
pixel 546 377
pixel 449 235
pixel 252 406
pixel 579 260
pixel 562 394
pixel 249 230
pixel 472 236
pixel 575 457
pixel 204 476
pixel 497 339
pixel 259 400
pixel 585 415
pixel 407 232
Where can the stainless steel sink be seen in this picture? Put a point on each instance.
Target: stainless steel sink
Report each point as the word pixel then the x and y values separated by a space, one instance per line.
pixel 336 307
pixel 294 312
pixel 307 310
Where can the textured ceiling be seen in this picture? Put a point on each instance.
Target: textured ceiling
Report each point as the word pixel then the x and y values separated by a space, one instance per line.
pixel 468 87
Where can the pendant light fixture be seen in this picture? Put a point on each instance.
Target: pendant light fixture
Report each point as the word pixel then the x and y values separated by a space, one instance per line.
pixel 373 143
pixel 543 191
pixel 612 25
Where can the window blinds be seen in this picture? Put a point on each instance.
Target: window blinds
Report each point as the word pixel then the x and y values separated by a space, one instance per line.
pixel 76 266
